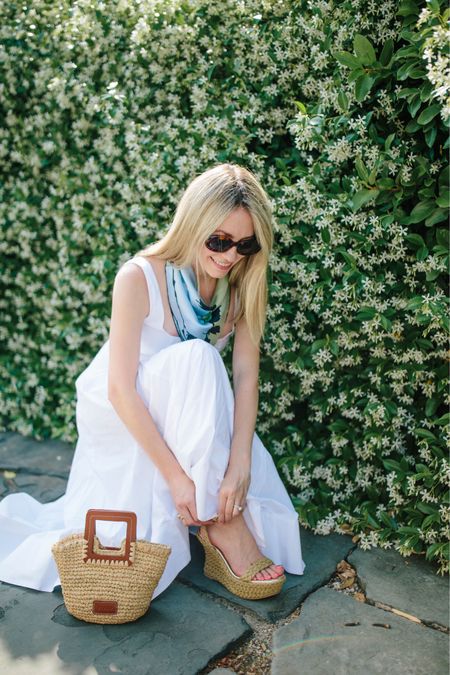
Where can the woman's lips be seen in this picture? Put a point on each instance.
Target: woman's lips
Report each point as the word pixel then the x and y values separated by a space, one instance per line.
pixel 221 267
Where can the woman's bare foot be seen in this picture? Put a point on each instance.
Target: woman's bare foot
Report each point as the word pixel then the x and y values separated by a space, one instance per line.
pixel 239 548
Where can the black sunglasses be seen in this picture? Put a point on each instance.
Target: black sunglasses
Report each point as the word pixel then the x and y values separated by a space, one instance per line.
pixel 220 243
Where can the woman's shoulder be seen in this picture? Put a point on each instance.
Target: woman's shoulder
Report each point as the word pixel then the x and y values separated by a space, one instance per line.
pixel 154 260
pixel 132 271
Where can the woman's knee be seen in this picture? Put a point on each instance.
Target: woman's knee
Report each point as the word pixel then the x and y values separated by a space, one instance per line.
pixel 194 359
pixel 195 348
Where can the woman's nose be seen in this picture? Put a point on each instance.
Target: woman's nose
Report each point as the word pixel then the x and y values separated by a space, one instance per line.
pixel 231 255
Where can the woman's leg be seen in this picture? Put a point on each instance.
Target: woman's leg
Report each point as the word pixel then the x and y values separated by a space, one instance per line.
pixel 238 545
pixel 188 393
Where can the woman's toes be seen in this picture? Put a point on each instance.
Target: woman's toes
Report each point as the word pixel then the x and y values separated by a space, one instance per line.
pixel 263 575
pixel 274 571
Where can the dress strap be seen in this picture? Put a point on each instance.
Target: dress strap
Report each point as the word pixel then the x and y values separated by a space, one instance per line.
pixel 156 316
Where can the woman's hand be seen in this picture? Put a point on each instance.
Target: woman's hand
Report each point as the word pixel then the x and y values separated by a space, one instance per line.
pixel 233 490
pixel 182 489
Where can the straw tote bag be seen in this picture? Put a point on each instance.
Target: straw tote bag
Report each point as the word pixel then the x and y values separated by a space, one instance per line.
pixel 103 584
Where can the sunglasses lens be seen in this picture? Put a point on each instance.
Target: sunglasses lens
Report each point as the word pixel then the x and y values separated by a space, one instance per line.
pixel 218 244
pixel 248 247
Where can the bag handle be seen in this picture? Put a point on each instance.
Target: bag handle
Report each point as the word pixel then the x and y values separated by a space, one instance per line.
pixel 106 514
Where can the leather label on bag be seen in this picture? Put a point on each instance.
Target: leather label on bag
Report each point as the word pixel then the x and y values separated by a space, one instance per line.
pixel 104 607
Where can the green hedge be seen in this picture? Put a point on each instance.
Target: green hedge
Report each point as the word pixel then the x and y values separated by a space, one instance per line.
pixel 342 110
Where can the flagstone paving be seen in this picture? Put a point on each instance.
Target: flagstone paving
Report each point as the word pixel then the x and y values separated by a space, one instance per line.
pixel 337 634
pixel 409 584
pixel 196 625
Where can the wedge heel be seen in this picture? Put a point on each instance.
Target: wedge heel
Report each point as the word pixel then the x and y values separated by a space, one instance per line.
pixel 217 568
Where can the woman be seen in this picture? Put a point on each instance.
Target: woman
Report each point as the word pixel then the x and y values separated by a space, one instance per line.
pixel 160 431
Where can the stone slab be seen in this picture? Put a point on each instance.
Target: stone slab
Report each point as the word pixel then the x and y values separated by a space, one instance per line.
pixel 408 583
pixel 50 457
pixel 318 642
pixel 320 553
pixel 43 488
pixel 181 633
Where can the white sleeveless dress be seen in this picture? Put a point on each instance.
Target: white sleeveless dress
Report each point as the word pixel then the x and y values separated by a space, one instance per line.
pixel 186 388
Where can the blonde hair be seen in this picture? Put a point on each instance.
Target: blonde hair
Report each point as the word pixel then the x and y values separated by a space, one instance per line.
pixel 206 202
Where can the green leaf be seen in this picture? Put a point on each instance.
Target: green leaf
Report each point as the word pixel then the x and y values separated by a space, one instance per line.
pixel 301 106
pixel 362 86
pixel 412 127
pixel 361 169
pixel 429 520
pixel 406 92
pixel 428 114
pixel 416 240
pixel 408 7
pixel 392 465
pixel 343 100
pixel 365 314
pixel 388 141
pixel 414 105
pixel 431 406
pixel 407 529
pixel 437 216
pixel 386 52
pixel 432 550
pixel 372 521
pixel 444 199
pixel 422 253
pixel 421 211
pixel 426 508
pixel 372 175
pixel 434 6
pixel 348 257
pixel 362 197
pixel 424 433
pixel 325 235
pixel 385 183
pixel 385 322
pixel 347 59
pixel 364 50
pixel 430 136
pixel 445 419
pixel 387 520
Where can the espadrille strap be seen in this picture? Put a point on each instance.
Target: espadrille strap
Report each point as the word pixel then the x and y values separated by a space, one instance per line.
pixel 256 567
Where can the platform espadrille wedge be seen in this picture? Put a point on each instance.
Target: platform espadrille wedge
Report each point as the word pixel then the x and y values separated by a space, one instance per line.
pixel 217 568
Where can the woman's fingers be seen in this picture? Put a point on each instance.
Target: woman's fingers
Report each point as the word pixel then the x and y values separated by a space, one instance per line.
pixel 229 508
pixel 188 514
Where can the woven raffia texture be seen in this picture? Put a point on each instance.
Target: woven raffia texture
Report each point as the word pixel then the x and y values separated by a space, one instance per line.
pixel 216 567
pixel 130 585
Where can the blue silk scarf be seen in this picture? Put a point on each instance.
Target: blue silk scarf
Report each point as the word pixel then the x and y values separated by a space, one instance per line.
pixel 192 317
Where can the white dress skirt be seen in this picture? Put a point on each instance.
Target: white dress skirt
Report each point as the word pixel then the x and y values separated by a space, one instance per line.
pixel 186 388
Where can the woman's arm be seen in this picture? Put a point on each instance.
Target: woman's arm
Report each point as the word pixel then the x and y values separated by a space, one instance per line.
pixel 236 481
pixel 246 395
pixel 130 306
